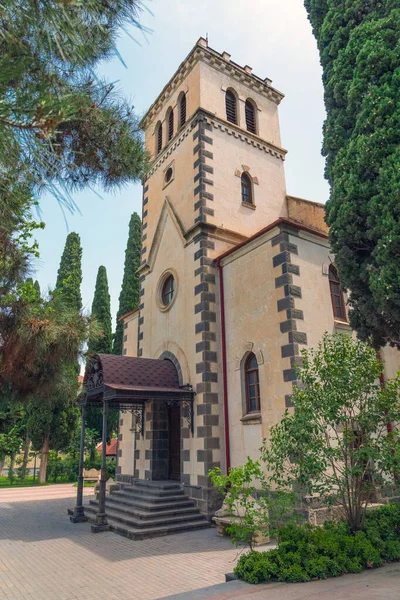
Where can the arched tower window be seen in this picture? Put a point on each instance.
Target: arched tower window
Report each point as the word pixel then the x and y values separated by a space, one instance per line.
pixel 230 104
pixel 170 122
pixel 159 141
pixel 247 192
pixel 250 110
pixel 252 383
pixel 339 310
pixel 182 109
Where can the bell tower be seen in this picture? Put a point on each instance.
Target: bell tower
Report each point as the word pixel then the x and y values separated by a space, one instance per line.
pixel 216 178
pixel 213 122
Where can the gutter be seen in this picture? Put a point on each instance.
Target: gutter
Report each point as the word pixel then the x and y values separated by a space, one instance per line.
pixel 224 365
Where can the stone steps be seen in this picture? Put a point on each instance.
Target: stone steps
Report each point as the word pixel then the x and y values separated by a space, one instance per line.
pixel 132 521
pixel 149 509
pixel 149 506
pixel 141 534
pixel 139 513
pixel 150 498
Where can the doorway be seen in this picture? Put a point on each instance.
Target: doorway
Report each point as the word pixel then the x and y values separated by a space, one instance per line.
pixel 174 437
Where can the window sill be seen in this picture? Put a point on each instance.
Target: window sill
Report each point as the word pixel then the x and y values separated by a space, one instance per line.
pixel 249 205
pixel 342 324
pixel 251 418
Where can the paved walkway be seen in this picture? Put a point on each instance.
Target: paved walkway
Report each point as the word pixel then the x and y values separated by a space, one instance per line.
pixel 43 556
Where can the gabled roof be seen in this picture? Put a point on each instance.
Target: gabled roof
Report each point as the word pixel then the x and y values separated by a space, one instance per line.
pixel 280 221
pixel 128 314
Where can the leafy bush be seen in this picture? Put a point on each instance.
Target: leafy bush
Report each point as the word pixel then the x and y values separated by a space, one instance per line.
pixel 64 470
pixel 335 444
pixel 248 499
pixel 307 552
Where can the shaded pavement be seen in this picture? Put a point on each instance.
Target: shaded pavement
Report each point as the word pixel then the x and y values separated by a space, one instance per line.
pixel 43 556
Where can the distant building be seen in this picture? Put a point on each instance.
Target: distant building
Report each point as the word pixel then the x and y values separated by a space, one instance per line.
pixel 111 448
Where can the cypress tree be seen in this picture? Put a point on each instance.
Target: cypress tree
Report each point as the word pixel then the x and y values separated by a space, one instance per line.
pixel 69 277
pixel 359 48
pixel 101 311
pixel 129 296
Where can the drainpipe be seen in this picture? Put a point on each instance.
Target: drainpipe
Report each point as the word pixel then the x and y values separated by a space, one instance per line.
pixel 224 368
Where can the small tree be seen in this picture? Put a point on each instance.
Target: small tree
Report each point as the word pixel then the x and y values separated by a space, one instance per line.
pixel 335 444
pixel 249 501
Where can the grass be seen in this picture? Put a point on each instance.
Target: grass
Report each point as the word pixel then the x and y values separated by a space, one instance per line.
pixel 87 484
pixel 28 482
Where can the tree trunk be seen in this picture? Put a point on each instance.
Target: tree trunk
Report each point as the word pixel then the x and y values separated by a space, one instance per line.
pixel 11 468
pixel 25 459
pixel 2 460
pixel 43 460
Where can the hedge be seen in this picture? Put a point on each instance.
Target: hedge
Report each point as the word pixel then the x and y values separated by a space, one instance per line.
pixel 307 552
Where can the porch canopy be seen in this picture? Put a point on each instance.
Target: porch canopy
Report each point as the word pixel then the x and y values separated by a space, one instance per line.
pixel 120 380
pixel 125 383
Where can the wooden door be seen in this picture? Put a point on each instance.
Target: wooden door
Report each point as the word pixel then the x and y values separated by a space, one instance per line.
pixel 174 435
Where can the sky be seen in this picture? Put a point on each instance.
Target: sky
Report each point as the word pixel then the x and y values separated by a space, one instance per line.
pixel 272 36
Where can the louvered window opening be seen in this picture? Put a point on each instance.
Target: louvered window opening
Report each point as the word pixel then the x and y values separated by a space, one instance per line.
pixel 230 102
pixel 159 139
pixel 250 117
pixel 170 125
pixel 183 110
pixel 338 306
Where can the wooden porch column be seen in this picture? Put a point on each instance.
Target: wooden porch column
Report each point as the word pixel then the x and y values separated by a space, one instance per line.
pixel 78 514
pixel 101 523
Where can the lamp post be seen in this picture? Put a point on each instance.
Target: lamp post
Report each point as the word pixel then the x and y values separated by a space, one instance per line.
pixel 101 523
pixel 78 514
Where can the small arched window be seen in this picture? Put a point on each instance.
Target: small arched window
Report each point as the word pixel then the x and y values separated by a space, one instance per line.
pixel 182 110
pixel 170 121
pixel 159 138
pixel 230 104
pixel 339 310
pixel 250 111
pixel 252 383
pixel 247 192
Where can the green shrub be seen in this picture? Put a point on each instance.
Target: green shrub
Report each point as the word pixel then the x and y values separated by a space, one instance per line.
pixel 305 552
pixel 65 470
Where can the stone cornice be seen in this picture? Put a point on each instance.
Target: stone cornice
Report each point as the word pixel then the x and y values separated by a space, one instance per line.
pixel 220 62
pixel 217 123
pixel 246 136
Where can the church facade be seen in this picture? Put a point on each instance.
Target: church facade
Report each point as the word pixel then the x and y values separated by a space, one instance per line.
pixel 236 276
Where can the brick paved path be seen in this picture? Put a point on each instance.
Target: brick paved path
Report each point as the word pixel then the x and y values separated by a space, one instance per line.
pixel 43 556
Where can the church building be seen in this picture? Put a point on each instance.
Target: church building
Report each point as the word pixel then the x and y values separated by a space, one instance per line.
pixel 236 277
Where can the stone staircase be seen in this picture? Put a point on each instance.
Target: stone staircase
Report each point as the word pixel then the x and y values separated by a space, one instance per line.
pixel 148 509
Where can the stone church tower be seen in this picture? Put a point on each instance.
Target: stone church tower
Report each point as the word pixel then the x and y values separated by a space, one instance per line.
pixel 214 199
pixel 213 122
